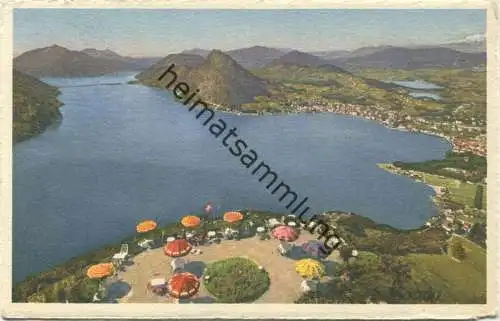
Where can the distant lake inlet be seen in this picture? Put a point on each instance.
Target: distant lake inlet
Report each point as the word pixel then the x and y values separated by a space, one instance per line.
pixel 424 88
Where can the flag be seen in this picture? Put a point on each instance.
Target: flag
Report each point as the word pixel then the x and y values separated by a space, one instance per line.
pixel 209 208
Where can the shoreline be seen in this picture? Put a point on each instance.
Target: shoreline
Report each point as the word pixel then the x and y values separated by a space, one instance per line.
pixel 222 109
pixel 435 199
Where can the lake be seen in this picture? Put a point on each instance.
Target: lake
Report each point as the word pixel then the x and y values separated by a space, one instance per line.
pixel 416 84
pixel 125 153
pixel 421 85
pixel 425 95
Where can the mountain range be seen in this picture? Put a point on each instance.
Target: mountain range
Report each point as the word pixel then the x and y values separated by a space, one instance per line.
pixel 57 61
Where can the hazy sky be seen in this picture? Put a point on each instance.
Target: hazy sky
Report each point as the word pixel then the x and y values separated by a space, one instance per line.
pixel 159 32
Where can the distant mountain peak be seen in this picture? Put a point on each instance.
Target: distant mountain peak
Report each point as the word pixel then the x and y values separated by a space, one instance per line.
pixel 299 58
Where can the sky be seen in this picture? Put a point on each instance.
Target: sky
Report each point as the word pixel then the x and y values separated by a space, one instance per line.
pixel 148 32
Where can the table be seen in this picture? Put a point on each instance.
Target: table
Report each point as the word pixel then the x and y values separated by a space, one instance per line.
pixel 157 282
pixel 157 286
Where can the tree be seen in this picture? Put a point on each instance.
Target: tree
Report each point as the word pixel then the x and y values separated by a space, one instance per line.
pixel 477 234
pixel 458 250
pixel 345 253
pixel 478 200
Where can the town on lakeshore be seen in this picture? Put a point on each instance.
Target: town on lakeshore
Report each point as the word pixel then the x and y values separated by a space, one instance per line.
pixel 167 219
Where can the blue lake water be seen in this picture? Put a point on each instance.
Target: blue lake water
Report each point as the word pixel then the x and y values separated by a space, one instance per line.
pixel 417 84
pixel 128 152
pixel 425 95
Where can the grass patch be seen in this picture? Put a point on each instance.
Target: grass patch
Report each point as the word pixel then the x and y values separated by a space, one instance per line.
pixel 460 192
pixel 461 282
pixel 236 280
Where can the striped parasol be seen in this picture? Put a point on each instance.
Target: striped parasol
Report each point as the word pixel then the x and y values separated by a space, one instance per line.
pixel 183 285
pixel 146 226
pixel 190 221
pixel 233 216
pixel 176 248
pixel 101 270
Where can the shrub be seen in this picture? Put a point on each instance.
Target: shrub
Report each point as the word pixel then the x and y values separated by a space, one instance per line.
pixel 458 250
pixel 236 280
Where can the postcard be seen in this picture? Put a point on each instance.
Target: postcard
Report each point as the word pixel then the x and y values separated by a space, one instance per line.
pixel 198 161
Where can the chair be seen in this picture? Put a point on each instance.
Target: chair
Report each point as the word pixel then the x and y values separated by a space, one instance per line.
pixel 145 244
pixel 122 255
pixel 124 249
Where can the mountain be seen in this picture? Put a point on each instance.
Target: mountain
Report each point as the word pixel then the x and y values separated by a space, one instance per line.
pixel 298 58
pixel 105 54
pixel 35 106
pixel 413 58
pixel 144 62
pixel 467 46
pixel 256 56
pixel 220 79
pixel 183 64
pixel 331 54
pixel 57 61
pixel 249 58
pixel 303 59
pixel 223 81
pixel 135 63
pixel 197 51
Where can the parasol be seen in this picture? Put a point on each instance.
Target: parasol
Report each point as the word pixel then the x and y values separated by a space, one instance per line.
pixel 183 285
pixel 146 226
pixel 309 268
pixel 232 217
pixel 101 270
pixel 176 248
pixel 315 248
pixel 285 233
pixel 190 221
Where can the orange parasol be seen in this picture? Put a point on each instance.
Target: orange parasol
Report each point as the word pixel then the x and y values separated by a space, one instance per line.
pixel 98 271
pixel 146 226
pixel 183 285
pixel 176 248
pixel 232 217
pixel 191 221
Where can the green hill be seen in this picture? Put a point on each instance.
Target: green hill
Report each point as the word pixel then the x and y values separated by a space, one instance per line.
pixel 35 106
pixel 332 84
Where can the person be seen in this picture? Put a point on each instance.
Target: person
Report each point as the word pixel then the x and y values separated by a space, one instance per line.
pixel 283 248
pixel 96 297
pixel 304 286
